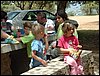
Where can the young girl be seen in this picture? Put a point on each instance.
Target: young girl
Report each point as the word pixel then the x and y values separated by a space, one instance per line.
pixel 69 44
pixel 37 46
pixel 60 18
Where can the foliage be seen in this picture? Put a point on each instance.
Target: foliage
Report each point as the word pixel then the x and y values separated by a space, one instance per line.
pixel 88 7
pixel 26 5
pixel 8 8
pixel 71 13
pixel 46 5
pixel 5 2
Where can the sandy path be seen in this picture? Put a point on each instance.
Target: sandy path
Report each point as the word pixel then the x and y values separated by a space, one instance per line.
pixel 87 22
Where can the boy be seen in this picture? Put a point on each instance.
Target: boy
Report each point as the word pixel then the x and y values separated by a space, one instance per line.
pixel 38 57
pixel 27 38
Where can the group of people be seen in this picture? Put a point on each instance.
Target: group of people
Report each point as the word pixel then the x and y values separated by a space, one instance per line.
pixel 36 36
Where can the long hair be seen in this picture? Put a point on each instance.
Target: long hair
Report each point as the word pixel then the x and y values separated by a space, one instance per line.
pixel 62 14
pixel 3 15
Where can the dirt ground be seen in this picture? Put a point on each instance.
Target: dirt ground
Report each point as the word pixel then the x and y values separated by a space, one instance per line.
pixel 90 23
pixel 87 22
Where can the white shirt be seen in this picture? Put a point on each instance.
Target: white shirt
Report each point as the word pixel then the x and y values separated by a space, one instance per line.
pixel 49 23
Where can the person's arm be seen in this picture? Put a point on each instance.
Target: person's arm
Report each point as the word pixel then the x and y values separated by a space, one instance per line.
pixel 19 39
pixel 4 35
pixel 46 42
pixel 70 51
pixel 26 38
pixel 38 58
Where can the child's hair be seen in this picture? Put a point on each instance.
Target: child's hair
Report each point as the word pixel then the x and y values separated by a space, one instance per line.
pixel 37 28
pixel 67 27
pixel 28 24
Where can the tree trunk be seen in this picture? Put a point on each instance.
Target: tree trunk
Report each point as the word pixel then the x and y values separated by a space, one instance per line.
pixel 61 5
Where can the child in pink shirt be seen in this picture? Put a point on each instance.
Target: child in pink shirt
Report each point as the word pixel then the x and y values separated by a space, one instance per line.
pixel 69 46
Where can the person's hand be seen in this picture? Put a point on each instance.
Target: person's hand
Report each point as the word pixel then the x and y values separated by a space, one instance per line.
pixel 44 62
pixel 72 51
pixel 79 46
pixel 46 42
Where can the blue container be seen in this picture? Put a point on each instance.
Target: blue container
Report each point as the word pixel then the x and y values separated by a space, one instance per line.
pixel 22 31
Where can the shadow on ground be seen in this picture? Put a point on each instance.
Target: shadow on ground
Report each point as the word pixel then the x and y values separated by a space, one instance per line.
pixel 89 39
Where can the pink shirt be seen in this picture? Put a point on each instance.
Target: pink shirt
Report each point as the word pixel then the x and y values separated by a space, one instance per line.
pixel 65 43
